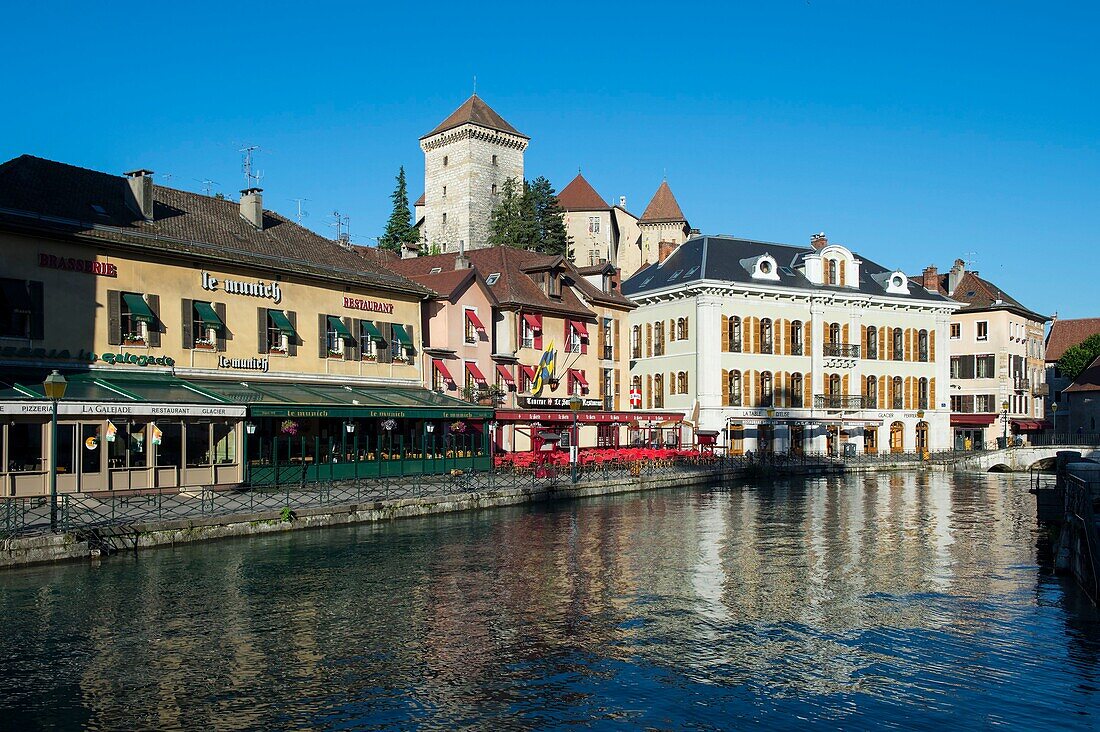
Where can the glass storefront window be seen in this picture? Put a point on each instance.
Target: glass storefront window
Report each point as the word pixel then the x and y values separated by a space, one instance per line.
pixel 225 444
pixel 138 446
pixel 25 447
pixel 66 443
pixel 170 449
pixel 91 449
pixel 198 444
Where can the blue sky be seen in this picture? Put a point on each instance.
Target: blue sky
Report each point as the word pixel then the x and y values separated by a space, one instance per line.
pixel 913 132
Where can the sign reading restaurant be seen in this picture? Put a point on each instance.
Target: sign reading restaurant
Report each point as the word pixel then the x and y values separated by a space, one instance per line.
pixel 258 288
pixel 372 306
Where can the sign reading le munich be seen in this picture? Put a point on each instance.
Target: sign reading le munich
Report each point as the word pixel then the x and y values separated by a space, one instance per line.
pixel 258 288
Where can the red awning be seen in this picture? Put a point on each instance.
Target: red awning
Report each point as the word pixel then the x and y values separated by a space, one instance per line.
pixel 528 371
pixel 579 327
pixel 1030 425
pixel 533 321
pixel 972 420
pixel 506 375
pixel 475 372
pixel 577 375
pixel 566 415
pixel 472 317
pixel 439 366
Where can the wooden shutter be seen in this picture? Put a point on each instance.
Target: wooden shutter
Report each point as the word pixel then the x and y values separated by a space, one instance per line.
pixel 411 330
pixel 114 317
pixel 725 334
pixel 807 390
pixel 725 388
pixel 746 335
pixel 617 347
pixel 932 346
pixel 672 329
pixel 601 337
pixel 155 327
pixel 672 383
pixel 649 392
pixel 882 343
pixel 844 385
pixel 382 348
pixel 863 385
pixel 863 340
pixel 932 393
pixel 845 333
pixel 890 345
pixel 262 345
pixel 908 386
pixel 38 313
pixel 788 336
pixel 351 345
pixel 687 326
pixel 883 389
pixel 808 339
pixel 618 379
pixel 538 333
pixel 222 334
pixel 648 340
pixel 186 323
pixel 292 341
pixel 322 333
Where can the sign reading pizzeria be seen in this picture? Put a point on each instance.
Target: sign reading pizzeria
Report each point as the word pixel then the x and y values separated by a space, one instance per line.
pixel 371 306
pixel 74 264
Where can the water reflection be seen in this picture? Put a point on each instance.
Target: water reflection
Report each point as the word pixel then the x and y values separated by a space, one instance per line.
pixel 887 600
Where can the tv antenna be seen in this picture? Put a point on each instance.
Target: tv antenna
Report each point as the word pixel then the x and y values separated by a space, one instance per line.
pixel 343 228
pixel 250 175
pixel 207 185
pixel 301 214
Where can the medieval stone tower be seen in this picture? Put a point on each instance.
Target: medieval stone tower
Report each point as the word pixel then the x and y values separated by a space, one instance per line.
pixel 467 158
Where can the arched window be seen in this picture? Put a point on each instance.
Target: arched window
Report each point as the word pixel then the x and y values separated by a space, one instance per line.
pixel 899 345
pixel 766 393
pixel 922 345
pixel 733 388
pixel 659 338
pixel 682 329
pixel 897 396
pixel 636 341
pixel 766 335
pixel 636 384
pixel 897 437
pixel 834 332
pixel 830 273
pixel 834 384
pixel 796 390
pixel 872 392
pixel 872 342
pixel 735 333
pixel 796 338
pixel 922 393
pixel 682 385
pixel 658 391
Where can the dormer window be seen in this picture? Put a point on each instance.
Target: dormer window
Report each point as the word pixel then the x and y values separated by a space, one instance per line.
pixel 763 267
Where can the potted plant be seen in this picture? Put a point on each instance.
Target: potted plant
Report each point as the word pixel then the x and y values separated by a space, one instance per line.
pixel 133 339
pixel 205 344
pixel 470 392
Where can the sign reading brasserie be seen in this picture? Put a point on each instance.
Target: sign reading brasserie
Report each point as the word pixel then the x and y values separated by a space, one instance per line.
pixel 73 264
pixel 259 288
pixel 373 306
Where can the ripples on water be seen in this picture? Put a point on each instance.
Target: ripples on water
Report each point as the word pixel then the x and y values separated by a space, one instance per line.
pixel 893 601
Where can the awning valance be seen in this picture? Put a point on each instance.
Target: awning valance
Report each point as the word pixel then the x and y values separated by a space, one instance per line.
pixel 578 376
pixel 278 317
pixel 474 321
pixel 338 326
pixel 506 375
pixel 475 372
pixel 579 327
pixel 1030 425
pixel 441 367
pixel 402 335
pixel 972 420
pixel 207 315
pixel 528 371
pixel 139 309
pixel 566 415
pixel 533 321
pixel 372 331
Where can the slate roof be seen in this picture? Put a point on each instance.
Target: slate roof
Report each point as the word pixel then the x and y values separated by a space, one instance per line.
pixel 515 288
pixel 1065 334
pixel 66 201
pixel 579 195
pixel 1087 380
pixel 476 112
pixel 720 258
pixel 662 207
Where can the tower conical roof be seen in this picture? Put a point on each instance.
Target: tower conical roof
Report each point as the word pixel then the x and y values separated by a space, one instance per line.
pixel 579 195
pixel 475 112
pixel 663 206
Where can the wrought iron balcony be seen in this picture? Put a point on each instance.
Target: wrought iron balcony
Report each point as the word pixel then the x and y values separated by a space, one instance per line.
pixel 608 353
pixel 842 350
pixel 838 401
pixel 1021 383
pixel 796 349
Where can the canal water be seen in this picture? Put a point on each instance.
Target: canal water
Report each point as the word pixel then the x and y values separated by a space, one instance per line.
pixel 890 601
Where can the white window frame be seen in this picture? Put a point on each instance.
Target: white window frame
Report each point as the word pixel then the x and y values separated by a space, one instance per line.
pixel 469 332
pixel 955 331
pixel 978 335
pixel 593 224
pixel 527 336
pixel 574 345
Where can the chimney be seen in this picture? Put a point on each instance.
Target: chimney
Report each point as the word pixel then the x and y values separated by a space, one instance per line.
pixel 954 277
pixel 931 277
pixel 252 206
pixel 819 241
pixel 462 261
pixel 410 250
pixel 622 202
pixel 140 198
pixel 664 249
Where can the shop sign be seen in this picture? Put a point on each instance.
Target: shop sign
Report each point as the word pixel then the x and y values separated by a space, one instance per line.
pixel 83 356
pixel 554 403
pixel 258 410
pixel 247 364
pixel 636 398
pixel 73 264
pixel 258 288
pixel 371 306
pixel 124 409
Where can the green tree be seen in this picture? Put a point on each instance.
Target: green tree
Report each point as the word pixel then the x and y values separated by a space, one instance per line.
pixel 528 216
pixel 1078 358
pixel 399 229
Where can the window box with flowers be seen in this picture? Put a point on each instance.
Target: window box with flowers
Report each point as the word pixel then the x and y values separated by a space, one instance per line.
pixel 134 339
pixel 334 353
pixel 205 344
pixel 277 350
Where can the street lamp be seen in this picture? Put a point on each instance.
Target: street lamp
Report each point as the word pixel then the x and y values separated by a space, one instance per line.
pixel 54 387
pixel 575 403
pixel 1054 413
pixel 771 416
pixel 1004 418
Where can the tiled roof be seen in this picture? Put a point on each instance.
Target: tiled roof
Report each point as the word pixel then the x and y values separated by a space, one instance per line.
pixel 515 287
pixel 476 112
pixel 68 201
pixel 579 195
pixel 420 201
pixel 448 283
pixel 1087 380
pixel 663 206
pixel 981 294
pixel 721 258
pixel 1065 334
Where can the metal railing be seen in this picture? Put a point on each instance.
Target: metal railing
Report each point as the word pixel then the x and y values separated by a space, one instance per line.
pixel 838 401
pixel 1021 383
pixel 842 350
pixel 1051 439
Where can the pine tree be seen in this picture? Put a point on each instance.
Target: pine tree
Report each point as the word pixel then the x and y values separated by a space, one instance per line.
pixel 548 218
pixel 399 229
pixel 529 218
pixel 510 223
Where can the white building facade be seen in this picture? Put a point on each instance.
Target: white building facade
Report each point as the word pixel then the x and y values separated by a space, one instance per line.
pixel 792 349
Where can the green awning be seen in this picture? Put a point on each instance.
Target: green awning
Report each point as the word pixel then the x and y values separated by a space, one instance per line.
pixel 372 331
pixel 281 322
pixel 209 318
pixel 139 309
pixel 401 335
pixel 338 325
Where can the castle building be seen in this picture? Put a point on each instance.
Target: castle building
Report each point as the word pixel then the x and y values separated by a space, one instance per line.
pixel 600 233
pixel 662 224
pixel 791 349
pixel 998 374
pixel 467 159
